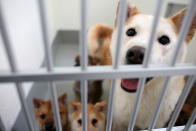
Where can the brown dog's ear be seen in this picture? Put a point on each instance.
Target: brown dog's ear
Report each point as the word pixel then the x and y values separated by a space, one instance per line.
pixel 75 106
pixel 101 106
pixel 38 103
pixel 177 19
pixel 63 99
pixel 96 60
pixel 77 60
pixel 131 11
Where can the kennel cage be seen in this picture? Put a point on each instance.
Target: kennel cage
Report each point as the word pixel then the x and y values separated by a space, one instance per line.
pixel 111 72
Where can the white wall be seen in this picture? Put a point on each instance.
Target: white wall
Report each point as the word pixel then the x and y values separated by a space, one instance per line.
pixel 23 24
pixel 66 13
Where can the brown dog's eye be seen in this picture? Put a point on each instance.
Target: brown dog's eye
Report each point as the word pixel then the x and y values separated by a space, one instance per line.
pixel 94 122
pixel 80 122
pixel 131 32
pixel 164 40
pixel 42 116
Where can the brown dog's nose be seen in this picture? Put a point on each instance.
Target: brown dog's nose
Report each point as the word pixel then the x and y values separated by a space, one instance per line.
pixel 49 126
pixel 135 55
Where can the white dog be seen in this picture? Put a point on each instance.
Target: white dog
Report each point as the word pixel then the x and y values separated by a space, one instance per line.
pixel 136 34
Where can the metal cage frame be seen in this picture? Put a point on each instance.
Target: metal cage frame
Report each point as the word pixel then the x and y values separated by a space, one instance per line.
pixel 85 73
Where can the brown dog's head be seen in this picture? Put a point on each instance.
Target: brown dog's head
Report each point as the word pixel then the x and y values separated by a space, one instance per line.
pixel 96 116
pixel 92 60
pixel 44 113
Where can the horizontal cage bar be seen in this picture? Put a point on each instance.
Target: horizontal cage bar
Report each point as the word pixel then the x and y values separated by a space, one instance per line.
pixel 95 73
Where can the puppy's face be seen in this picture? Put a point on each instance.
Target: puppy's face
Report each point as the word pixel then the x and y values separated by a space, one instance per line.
pixel 44 113
pixel 137 31
pixel 96 116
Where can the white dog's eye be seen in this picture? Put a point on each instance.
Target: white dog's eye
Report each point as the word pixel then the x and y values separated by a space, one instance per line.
pixel 164 40
pixel 131 32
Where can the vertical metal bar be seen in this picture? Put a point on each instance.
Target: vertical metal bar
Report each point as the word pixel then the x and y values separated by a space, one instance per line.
pixel 2 127
pixel 121 21
pixel 13 66
pixel 137 102
pixel 185 28
pixel 159 103
pixel 191 120
pixel 84 98
pixel 84 61
pixel 145 63
pixel 183 33
pixel 49 63
pixel 153 32
pixel 181 101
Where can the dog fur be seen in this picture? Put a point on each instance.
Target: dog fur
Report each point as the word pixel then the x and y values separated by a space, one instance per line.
pixel 96 116
pixel 44 113
pixel 95 90
pixel 161 54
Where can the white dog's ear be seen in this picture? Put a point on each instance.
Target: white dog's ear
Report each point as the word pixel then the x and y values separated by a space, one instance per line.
pixel 131 11
pixel 177 19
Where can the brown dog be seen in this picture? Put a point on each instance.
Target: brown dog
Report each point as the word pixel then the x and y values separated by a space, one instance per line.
pixel 96 116
pixel 44 113
pixel 94 86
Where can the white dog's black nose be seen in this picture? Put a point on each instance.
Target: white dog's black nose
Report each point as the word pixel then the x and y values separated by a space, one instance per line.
pixel 135 55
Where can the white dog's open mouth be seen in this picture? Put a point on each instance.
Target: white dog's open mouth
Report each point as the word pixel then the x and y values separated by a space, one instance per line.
pixel 131 85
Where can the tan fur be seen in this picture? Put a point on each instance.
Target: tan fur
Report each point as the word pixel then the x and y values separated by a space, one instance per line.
pixel 177 20
pixel 96 111
pixel 97 33
pixel 42 107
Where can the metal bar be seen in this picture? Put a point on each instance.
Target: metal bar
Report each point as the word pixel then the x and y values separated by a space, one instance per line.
pixel 137 102
pixel 181 101
pixel 13 66
pixel 177 128
pixel 153 32
pixel 84 61
pixel 185 28
pixel 121 20
pixel 2 127
pixel 159 103
pixel 96 73
pixel 183 33
pixel 83 35
pixel 84 98
pixel 49 63
pixel 146 63
pixel 190 121
pixel 110 105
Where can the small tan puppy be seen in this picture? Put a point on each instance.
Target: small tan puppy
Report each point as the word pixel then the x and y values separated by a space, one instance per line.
pixel 44 113
pixel 96 116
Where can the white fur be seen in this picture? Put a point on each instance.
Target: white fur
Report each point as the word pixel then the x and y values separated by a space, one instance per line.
pixel 161 54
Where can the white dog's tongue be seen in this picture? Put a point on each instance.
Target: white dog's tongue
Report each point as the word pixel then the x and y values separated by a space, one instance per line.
pixel 129 84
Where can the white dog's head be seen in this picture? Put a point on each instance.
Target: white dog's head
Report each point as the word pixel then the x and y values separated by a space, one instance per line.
pixel 136 33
